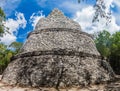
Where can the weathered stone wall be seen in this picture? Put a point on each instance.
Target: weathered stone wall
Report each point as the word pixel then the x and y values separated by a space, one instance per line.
pixel 62 52
pixel 57 71
pixel 57 54
pixel 60 38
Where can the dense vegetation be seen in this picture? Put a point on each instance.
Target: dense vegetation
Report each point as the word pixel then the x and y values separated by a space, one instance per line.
pixel 6 51
pixel 2 19
pixel 109 47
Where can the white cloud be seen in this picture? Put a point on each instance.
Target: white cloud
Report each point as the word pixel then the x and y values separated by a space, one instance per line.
pixel 42 3
pixel 117 2
pixel 35 18
pixel 85 16
pixel 8 39
pixel 108 3
pixel 117 10
pixel 9 5
pixel 13 25
pixel 71 6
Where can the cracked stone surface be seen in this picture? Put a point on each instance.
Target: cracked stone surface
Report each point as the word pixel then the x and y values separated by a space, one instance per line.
pixel 112 86
pixel 57 54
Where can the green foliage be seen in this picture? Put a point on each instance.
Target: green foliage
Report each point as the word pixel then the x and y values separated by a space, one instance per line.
pixel 115 47
pixel 2 14
pixel 115 52
pixel 6 53
pixel 2 18
pixel 103 43
pixel 16 46
pixel 109 46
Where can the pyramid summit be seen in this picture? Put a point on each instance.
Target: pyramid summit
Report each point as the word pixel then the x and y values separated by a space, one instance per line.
pixel 57 54
pixel 56 13
pixel 56 19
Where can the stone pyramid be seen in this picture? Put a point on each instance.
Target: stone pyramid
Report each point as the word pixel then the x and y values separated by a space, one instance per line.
pixel 57 54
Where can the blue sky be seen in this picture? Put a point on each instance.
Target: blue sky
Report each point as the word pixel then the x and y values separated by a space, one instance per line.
pixel 22 16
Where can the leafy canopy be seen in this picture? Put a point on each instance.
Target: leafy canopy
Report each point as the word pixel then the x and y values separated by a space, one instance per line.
pixel 2 18
pixel 6 52
pixel 103 43
pixel 109 47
